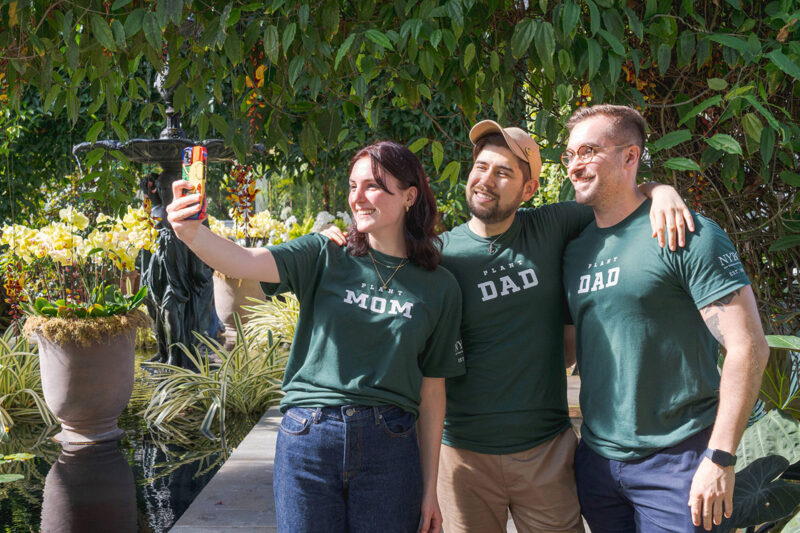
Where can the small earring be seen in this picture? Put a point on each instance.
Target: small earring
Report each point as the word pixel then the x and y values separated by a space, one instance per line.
pixel 407 208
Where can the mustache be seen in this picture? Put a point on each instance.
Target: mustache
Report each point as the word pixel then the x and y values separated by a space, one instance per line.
pixel 484 190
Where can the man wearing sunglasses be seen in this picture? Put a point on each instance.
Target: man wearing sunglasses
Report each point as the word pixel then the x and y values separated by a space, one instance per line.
pixel 660 427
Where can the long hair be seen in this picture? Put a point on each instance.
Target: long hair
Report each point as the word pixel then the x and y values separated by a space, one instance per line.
pixel 419 227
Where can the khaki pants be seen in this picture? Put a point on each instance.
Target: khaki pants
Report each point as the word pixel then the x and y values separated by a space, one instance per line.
pixel 477 490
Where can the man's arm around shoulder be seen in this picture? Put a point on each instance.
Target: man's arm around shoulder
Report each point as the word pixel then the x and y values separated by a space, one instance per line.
pixel 734 322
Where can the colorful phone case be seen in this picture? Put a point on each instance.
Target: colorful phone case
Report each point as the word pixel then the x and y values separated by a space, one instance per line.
pixel 194 171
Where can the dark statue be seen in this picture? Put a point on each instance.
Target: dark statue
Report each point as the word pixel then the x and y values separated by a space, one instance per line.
pixel 180 296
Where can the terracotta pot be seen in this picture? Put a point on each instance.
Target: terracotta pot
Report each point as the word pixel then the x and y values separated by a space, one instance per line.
pixel 89 489
pixel 87 387
pixel 230 294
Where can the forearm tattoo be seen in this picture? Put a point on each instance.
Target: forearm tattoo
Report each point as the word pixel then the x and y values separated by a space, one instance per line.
pixel 711 312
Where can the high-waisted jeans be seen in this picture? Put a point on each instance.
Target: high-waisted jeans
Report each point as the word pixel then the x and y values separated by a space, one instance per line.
pixel 347 468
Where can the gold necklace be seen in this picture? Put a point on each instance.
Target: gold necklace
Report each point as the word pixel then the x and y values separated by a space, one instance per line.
pixel 384 284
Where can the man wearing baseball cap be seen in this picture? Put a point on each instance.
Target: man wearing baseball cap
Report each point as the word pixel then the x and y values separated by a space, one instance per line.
pixel 508 445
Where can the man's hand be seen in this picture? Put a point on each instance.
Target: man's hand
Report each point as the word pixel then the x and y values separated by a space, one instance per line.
pixel 712 491
pixel 669 209
pixel 335 234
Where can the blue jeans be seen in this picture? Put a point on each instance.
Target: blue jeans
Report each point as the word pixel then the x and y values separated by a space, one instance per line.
pixel 648 495
pixel 347 468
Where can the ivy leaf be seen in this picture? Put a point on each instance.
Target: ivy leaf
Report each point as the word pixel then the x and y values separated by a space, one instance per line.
pixel 288 36
pixel 613 41
pixel 726 143
pixel 94 131
pixel 784 63
pixel 8 478
pixel 343 49
pixel 379 38
pixel 524 32
pixel 469 55
pixel 595 55
pixel 272 44
pixel 296 68
pixel 152 31
pixel 699 108
pixel 664 57
pixel 682 163
pixel 451 172
pixel 792 178
pixel 717 84
pixel 569 18
pixel 426 63
pixel 594 17
pixel 546 46
pixel 670 140
pixel 438 154
pixel 436 37
pixel 119 32
pixel 103 33
pixel 418 145
pixel 786 242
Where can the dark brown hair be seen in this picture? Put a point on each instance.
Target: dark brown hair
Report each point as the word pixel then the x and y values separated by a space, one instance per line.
pixel 497 139
pixel 420 221
pixel 627 124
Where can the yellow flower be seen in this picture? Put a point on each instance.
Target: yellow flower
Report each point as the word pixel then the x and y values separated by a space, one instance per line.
pixel 74 218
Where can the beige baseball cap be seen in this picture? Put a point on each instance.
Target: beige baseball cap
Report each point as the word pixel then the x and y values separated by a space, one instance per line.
pixel 521 144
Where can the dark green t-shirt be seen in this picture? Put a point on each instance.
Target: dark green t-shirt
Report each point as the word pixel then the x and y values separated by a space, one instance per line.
pixel 356 343
pixel 649 377
pixel 513 396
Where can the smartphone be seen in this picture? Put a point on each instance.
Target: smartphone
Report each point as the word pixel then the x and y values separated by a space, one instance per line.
pixel 193 170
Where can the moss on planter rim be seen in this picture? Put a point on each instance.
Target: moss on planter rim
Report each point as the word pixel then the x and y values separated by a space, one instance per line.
pixel 83 331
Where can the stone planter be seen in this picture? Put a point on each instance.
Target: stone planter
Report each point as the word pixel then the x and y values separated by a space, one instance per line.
pixel 230 294
pixel 88 385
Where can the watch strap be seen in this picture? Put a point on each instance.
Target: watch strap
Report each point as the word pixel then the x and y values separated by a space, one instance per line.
pixel 720 457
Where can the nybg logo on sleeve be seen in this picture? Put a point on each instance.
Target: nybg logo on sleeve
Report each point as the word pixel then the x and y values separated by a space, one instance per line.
pixel 459 351
pixel 377 304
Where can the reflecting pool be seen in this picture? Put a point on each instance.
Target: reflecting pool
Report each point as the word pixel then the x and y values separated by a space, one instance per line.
pixel 142 483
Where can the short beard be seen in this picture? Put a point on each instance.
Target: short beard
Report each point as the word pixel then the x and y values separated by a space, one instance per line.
pixel 493 214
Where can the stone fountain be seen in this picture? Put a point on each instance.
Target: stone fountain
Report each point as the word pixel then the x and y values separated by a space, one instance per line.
pixel 180 292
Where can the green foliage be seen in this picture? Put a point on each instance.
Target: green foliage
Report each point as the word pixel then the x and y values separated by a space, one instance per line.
pixel 759 496
pixel 780 388
pixel 245 383
pixel 766 450
pixel 104 300
pixel 21 397
pixel 7 478
pixel 271 321
pixel 776 433
pixel 717 81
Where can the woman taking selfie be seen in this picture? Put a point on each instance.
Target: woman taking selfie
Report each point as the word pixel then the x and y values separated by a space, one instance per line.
pixel 377 334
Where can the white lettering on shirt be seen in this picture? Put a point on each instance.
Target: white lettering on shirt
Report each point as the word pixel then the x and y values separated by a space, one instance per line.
pixel 404 309
pixel 351 298
pixel 377 304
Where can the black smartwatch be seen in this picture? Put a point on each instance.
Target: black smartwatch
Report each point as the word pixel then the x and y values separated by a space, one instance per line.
pixel 720 457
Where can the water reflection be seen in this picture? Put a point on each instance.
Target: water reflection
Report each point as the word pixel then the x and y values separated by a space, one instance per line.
pixel 90 489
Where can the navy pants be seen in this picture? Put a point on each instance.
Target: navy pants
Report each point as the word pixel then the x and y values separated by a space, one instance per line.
pixel 347 468
pixel 648 495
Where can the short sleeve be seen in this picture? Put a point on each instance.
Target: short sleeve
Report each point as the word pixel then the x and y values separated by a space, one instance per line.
pixel 444 355
pixel 567 219
pixel 709 264
pixel 297 262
